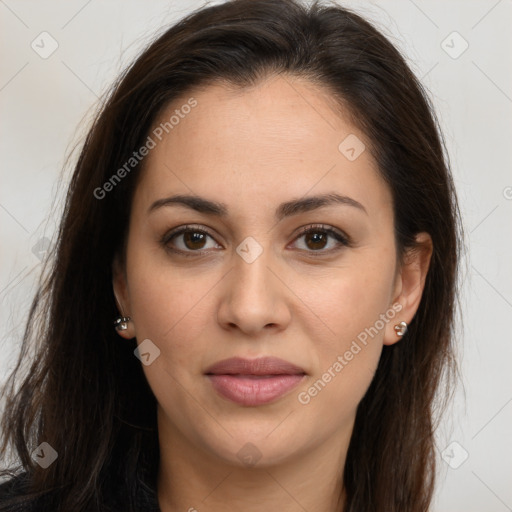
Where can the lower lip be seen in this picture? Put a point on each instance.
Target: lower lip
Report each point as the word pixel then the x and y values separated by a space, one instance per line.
pixel 254 390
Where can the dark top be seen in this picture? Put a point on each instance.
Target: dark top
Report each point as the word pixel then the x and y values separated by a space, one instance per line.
pixel 146 501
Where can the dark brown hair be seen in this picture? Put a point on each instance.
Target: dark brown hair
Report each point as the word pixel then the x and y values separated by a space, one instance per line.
pixel 85 393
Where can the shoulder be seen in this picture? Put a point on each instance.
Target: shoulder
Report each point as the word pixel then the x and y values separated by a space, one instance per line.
pixel 14 497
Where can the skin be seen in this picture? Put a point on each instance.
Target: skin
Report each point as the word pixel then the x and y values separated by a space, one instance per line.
pixel 253 149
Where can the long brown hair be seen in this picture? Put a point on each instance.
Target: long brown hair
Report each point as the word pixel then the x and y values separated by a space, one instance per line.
pixel 85 393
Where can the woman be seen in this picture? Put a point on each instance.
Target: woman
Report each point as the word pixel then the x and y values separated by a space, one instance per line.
pixel 264 208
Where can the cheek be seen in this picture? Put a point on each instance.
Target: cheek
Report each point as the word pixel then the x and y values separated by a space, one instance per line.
pixel 170 312
pixel 169 307
pixel 347 303
pixel 352 310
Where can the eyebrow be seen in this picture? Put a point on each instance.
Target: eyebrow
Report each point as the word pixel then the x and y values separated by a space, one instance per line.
pixel 287 209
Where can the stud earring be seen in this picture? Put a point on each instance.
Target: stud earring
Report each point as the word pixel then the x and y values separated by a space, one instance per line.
pixel 121 323
pixel 401 329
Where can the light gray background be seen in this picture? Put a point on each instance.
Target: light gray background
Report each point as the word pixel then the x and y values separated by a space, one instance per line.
pixel 46 105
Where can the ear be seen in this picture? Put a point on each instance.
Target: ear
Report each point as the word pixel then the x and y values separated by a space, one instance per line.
pixel 120 288
pixel 409 285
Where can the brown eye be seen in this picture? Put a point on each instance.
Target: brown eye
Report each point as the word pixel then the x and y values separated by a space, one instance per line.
pixel 194 239
pixel 316 239
pixel 188 239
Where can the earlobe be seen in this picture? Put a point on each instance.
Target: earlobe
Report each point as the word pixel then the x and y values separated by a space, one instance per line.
pixel 123 324
pixel 409 287
pixel 400 329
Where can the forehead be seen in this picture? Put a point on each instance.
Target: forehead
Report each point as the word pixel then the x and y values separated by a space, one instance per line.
pixel 282 136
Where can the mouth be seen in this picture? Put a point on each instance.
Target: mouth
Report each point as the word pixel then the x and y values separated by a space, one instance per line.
pixel 253 382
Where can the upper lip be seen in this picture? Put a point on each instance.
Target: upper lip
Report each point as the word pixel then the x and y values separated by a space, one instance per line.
pixel 260 366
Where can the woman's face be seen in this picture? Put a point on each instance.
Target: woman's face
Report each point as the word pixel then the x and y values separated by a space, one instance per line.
pixel 253 285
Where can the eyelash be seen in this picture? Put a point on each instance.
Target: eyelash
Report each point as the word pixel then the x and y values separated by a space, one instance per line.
pixel 342 239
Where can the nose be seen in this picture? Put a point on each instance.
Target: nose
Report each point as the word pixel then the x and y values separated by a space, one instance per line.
pixel 254 296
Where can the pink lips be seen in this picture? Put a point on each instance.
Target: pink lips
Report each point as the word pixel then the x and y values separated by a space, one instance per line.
pixel 252 382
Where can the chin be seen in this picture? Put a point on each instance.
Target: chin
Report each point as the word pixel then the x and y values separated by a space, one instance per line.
pixel 250 448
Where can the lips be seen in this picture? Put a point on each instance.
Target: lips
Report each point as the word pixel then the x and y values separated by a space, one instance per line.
pixel 253 382
pixel 260 366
